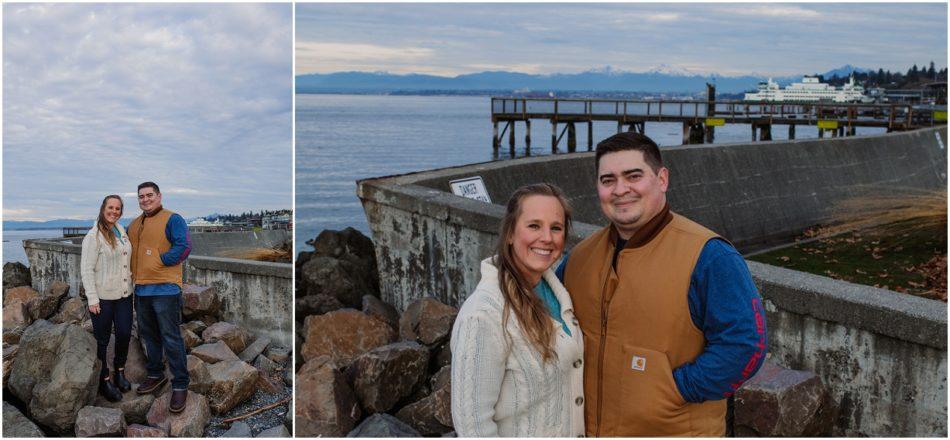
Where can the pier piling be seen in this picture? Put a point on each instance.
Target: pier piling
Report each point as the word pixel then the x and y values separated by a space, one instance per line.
pixel 553 136
pixel 791 131
pixel 511 139
pixel 571 138
pixel 590 135
pixel 765 132
pixel 527 137
pixel 495 143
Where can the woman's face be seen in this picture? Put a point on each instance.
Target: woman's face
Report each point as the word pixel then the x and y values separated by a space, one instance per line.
pixel 538 237
pixel 113 210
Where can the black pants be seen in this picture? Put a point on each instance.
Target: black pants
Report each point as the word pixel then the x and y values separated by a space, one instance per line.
pixel 117 312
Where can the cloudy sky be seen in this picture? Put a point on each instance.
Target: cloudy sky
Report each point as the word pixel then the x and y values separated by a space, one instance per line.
pixel 98 98
pixel 730 39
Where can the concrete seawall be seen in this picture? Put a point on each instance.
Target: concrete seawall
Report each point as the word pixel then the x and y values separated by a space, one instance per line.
pixel 257 295
pixel 429 243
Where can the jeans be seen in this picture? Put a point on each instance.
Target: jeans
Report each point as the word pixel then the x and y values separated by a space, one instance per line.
pixel 118 313
pixel 159 320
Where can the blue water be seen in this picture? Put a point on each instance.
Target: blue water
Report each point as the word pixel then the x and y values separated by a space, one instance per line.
pixel 343 138
pixel 13 242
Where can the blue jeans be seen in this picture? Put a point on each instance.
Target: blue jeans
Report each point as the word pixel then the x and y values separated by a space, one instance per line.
pixel 118 313
pixel 159 320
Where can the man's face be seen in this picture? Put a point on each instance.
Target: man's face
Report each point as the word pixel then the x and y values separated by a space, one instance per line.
pixel 149 199
pixel 630 192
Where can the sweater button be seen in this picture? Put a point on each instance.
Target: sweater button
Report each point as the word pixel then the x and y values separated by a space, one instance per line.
pixel 574 321
pixel 579 401
pixel 578 363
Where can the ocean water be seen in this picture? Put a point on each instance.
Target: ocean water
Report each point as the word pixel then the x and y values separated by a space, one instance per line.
pixel 343 138
pixel 13 242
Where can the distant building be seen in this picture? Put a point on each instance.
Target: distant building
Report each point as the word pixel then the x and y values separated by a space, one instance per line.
pixel 283 221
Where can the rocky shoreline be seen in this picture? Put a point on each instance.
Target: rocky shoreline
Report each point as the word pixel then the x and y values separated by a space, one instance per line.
pixel 50 371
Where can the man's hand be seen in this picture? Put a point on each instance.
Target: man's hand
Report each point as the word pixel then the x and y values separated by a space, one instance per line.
pixel 94 309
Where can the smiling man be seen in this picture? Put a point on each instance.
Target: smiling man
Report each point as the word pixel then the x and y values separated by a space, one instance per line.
pixel 672 322
pixel 160 244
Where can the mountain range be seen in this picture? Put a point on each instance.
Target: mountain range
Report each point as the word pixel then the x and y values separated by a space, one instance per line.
pixel 662 79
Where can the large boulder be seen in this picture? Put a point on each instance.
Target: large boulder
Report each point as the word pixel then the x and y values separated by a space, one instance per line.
pixel 24 294
pixel 9 356
pixel 195 326
pixel 238 429
pixel 277 353
pixel 385 375
pixel 188 423
pixel 343 335
pixel 345 280
pixel 214 352
pixel 73 311
pixel 783 403
pixel 137 430
pixel 16 274
pixel 190 338
pixel 325 404
pixel 55 373
pixel 430 416
pixel 383 425
pixel 135 362
pixel 428 321
pixel 236 337
pixel 16 425
pixel 94 421
pixel 133 406
pixel 199 301
pixel 232 382
pixel 200 377
pixel 16 318
pixel 255 349
pixel 316 305
pixel 45 305
pixel 278 431
pixel 378 309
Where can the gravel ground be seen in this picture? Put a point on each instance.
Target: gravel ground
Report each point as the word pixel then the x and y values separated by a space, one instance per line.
pixel 257 422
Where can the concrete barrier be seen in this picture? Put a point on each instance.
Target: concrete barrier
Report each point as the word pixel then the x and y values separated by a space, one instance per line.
pixel 225 244
pixel 257 295
pixel 429 243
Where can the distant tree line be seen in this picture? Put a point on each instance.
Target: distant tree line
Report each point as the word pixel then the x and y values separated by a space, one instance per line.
pixel 248 215
pixel 914 78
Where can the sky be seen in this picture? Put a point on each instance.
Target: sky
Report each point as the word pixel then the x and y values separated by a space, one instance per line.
pixel 773 39
pixel 98 98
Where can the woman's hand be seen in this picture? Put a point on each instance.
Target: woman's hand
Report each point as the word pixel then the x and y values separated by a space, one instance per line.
pixel 94 309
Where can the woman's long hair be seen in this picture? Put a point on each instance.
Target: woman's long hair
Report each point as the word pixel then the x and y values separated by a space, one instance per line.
pixel 104 230
pixel 519 295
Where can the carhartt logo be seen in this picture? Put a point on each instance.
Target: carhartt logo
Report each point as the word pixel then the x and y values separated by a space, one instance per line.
pixel 148 252
pixel 638 363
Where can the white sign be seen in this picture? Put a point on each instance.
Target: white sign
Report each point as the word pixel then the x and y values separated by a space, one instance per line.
pixel 470 188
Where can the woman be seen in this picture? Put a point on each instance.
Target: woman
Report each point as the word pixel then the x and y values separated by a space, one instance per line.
pixel 106 253
pixel 516 348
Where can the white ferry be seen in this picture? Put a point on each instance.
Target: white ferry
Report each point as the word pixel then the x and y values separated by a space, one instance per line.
pixel 809 90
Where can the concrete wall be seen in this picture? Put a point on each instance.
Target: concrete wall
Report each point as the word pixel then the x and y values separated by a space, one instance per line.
pixel 257 295
pixel 429 243
pixel 221 244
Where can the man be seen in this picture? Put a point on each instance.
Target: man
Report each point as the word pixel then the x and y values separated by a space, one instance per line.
pixel 160 244
pixel 672 321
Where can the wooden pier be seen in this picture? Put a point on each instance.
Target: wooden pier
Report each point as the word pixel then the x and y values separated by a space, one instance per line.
pixel 699 118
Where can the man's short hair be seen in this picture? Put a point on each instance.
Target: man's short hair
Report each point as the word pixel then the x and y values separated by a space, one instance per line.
pixel 629 140
pixel 149 185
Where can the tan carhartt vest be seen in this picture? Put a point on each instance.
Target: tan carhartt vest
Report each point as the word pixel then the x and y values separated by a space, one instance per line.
pixel 147 235
pixel 637 329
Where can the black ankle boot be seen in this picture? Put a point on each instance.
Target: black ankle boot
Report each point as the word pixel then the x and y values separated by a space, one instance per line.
pixel 120 381
pixel 108 390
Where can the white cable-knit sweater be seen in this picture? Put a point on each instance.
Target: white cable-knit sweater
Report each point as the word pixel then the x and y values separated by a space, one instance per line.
pixel 105 270
pixel 502 388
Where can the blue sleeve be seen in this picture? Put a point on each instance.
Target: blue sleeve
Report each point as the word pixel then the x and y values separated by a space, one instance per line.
pixel 176 231
pixel 560 267
pixel 725 304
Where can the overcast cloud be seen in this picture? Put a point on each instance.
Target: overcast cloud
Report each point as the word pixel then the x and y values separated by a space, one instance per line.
pixel 100 97
pixel 729 39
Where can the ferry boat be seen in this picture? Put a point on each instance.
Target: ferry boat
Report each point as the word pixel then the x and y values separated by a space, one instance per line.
pixel 809 90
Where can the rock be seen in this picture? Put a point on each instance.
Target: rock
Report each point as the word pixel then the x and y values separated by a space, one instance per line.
pixel 73 311
pixel 343 335
pixel 450 434
pixel 255 349
pixel 277 353
pixel 236 337
pixel 16 425
pixel 324 403
pixel 265 384
pixel 196 326
pixel 45 305
pixel 144 431
pixel 781 402
pixel 275 432
pixel 55 373
pixel 133 406
pixel 385 375
pixel 288 377
pixel 191 339
pixel 238 429
pixel 12 337
pixel 428 321
pixel 214 352
pixel 345 280
pixel 199 301
pixel 430 416
pixel 94 421
pixel 348 242
pixel 188 423
pixel 316 304
pixel 16 317
pixel 16 274
pixel 383 425
pixel 442 379
pixel 9 356
pixel 232 382
pixel 376 308
pixel 200 377
pixel 289 416
pixel 265 365
pixel 24 294
pixel 442 357
pixel 135 370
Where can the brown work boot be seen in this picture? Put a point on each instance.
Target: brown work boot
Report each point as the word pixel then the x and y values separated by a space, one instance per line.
pixel 151 384
pixel 177 404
